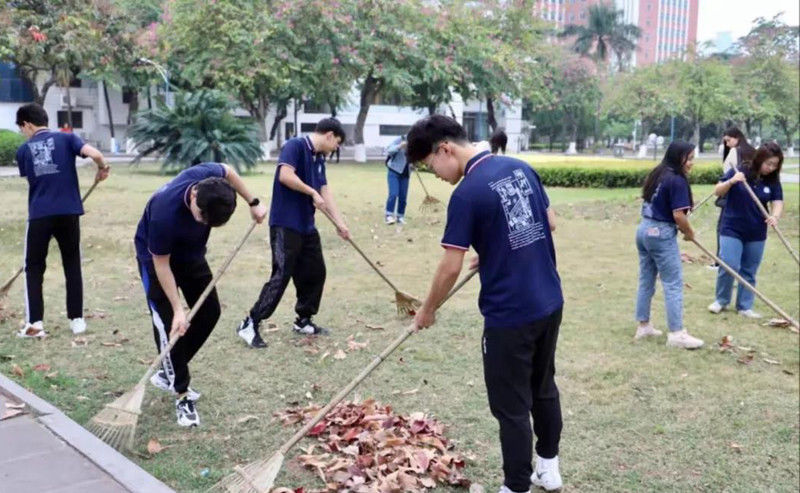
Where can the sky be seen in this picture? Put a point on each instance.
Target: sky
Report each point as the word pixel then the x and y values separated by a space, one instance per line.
pixel 737 16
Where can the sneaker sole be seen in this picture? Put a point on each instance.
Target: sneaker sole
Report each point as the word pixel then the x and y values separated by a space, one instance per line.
pixel 681 346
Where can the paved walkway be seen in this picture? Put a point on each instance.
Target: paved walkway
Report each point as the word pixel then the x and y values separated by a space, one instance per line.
pixel 43 451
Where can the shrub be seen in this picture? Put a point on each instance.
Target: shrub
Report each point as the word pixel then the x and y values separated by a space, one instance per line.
pixel 613 178
pixel 201 127
pixel 9 143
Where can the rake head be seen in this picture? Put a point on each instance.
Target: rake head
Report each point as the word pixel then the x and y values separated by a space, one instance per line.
pixel 258 476
pixel 430 203
pixel 116 423
pixel 407 305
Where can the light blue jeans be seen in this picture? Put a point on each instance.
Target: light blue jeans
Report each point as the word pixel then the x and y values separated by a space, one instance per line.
pixel 744 258
pixel 659 254
pixel 398 192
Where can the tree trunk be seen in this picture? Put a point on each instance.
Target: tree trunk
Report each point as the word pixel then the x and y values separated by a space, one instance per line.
pixel 108 109
pixel 432 108
pixel 133 107
pixel 279 116
pixel 490 118
pixel 369 90
pixel 696 138
pixel 69 108
pixel 149 99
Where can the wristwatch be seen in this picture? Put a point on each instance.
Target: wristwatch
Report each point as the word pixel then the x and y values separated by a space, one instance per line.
pixel 254 202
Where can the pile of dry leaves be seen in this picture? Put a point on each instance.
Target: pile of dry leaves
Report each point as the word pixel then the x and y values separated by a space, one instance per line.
pixel 365 448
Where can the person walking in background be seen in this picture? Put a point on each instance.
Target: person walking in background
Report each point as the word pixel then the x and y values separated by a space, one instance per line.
pixel 667 202
pixel 398 177
pixel 743 229
pixel 498 140
pixel 47 160
pixel 735 151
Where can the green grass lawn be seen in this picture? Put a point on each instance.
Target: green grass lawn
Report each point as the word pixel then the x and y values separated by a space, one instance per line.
pixel 637 417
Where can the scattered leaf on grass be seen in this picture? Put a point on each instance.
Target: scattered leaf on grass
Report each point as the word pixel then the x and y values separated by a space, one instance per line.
pixel 735 446
pixel 745 359
pixel 788 372
pixel 246 419
pixel 52 375
pixel 41 367
pixel 726 344
pixel 154 447
pixel 373 327
pixel 120 298
pixel 144 361
pixel 322 358
pixel 353 345
pixel 339 354
pixel 771 361
pixel 687 285
pixel 79 341
pixel 17 370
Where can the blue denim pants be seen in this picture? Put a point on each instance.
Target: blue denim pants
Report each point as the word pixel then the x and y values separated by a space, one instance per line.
pixel 744 257
pixel 398 191
pixel 659 254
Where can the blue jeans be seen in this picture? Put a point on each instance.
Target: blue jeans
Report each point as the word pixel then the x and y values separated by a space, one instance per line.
pixel 659 255
pixel 398 191
pixel 744 258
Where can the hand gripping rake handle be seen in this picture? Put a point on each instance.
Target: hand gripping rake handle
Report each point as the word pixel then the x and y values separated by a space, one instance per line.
pixel 364 373
pixel 349 240
pixel 749 286
pixel 8 283
pixel 156 362
pixel 766 215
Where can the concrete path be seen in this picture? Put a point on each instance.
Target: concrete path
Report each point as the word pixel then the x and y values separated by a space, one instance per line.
pixel 43 451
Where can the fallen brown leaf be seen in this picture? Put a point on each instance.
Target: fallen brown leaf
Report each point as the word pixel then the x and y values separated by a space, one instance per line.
pixel 17 370
pixel 79 341
pixel 771 361
pixel 246 419
pixel 154 447
pixel 52 375
pixel 373 327
pixel 339 354
pixel 41 367
pixel 735 446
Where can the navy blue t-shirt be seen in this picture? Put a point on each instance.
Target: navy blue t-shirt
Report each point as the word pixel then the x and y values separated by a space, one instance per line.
pixel 741 217
pixel 291 209
pixel 672 194
pixel 167 226
pixel 47 160
pixel 500 209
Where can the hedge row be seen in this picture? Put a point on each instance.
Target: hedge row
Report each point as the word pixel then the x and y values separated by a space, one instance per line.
pixel 612 178
pixel 9 142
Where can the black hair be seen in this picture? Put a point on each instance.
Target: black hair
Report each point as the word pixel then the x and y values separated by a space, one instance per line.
pixel 216 200
pixel 429 132
pixel 674 159
pixel 768 150
pixel 32 113
pixel 330 125
pixel 744 150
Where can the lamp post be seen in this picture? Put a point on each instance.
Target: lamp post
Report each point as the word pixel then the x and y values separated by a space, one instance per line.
pixel 164 75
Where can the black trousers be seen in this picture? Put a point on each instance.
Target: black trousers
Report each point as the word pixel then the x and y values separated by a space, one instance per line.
pixel 296 257
pixel 519 369
pixel 191 278
pixel 67 232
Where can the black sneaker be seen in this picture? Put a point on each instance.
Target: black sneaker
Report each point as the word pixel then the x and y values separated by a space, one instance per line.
pixel 186 412
pixel 306 327
pixel 248 331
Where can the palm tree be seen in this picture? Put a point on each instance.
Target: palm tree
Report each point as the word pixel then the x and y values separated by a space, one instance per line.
pixel 605 34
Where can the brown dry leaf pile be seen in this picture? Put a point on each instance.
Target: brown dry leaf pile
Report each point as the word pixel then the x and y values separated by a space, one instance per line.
pixel 368 449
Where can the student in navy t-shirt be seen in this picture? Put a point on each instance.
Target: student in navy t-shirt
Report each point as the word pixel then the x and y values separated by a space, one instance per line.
pixel 743 228
pixel 170 251
pixel 47 160
pixel 667 202
pixel 501 210
pixel 300 187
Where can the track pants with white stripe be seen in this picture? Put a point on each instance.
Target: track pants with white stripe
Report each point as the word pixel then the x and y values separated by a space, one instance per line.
pixel 192 278
pixel 67 232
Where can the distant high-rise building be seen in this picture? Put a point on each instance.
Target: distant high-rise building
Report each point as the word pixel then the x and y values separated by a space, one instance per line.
pixel 669 27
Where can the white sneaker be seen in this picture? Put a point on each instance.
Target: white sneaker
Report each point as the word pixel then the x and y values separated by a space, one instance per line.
pixel 749 314
pixel 77 326
pixel 390 220
pixel 160 381
pixel 32 331
pixel 505 489
pixel 713 267
pixel 682 339
pixel 648 330
pixel 715 307
pixel 546 475
pixel 401 220
pixel 186 413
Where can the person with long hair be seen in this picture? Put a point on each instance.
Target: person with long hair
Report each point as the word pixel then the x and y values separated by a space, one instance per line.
pixel 743 229
pixel 736 150
pixel 667 202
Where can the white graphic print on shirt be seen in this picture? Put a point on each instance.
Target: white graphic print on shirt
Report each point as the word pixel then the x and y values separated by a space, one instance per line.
pixel 42 153
pixel 525 225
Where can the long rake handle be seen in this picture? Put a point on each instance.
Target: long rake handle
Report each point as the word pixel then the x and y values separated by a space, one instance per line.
pixel 749 286
pixel 198 304
pixel 364 373
pixel 699 204
pixel 419 177
pixel 364 255
pixel 8 283
pixel 766 215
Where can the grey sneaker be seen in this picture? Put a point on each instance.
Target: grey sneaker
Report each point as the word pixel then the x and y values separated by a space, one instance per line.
pixel 186 412
pixel 749 314
pixel 648 330
pixel 682 339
